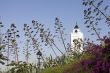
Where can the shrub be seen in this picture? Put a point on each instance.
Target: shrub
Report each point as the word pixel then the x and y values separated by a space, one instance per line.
pixel 97 61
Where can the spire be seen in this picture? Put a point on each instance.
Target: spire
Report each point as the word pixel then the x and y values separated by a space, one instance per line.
pixel 76 27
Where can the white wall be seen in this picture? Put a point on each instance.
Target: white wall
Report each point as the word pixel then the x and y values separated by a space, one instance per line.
pixel 78 36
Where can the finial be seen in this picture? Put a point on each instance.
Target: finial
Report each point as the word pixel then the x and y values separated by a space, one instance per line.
pixel 76 23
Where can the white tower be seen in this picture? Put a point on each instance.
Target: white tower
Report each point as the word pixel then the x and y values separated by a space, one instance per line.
pixel 77 40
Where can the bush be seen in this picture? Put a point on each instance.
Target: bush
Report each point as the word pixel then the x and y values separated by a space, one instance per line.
pixel 59 68
pixel 97 60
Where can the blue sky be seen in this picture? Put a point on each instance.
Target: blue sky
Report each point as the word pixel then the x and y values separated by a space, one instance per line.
pixel 45 11
pixel 24 11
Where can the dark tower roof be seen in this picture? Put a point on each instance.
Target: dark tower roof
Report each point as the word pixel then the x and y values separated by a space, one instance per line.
pixel 76 27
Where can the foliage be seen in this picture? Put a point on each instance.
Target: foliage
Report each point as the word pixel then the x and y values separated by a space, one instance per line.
pixel 96 58
pixel 10 41
pixel 50 62
pixel 94 14
pixel 2 57
pixel 57 69
pixel 21 67
pixel 97 62
pixel 59 28
pixel 52 70
pixel 59 64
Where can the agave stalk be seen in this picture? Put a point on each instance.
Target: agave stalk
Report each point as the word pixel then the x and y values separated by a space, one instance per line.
pixel 58 24
pixel 46 37
pixel 98 10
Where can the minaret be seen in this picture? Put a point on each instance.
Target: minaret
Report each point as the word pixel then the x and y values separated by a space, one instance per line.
pixel 77 40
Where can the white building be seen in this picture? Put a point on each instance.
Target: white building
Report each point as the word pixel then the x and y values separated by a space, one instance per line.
pixel 77 40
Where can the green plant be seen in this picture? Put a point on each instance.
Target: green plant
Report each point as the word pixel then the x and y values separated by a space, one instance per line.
pixel 21 67
pixel 2 57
